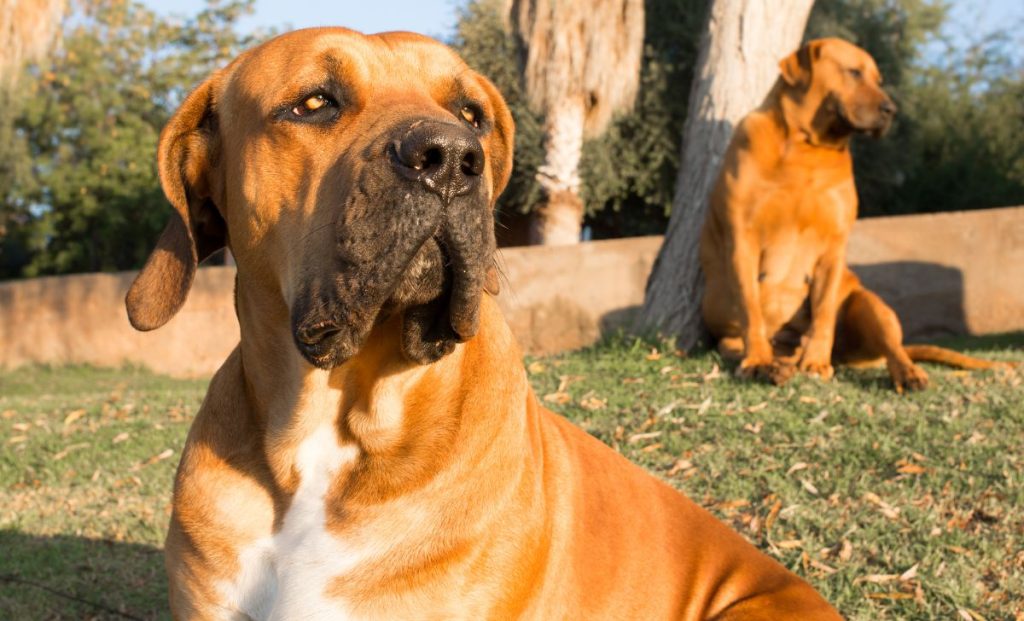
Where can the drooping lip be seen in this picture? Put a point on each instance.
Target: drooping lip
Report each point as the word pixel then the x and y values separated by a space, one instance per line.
pixel 320 335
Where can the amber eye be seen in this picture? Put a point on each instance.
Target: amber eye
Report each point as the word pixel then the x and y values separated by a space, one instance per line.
pixel 311 104
pixel 856 73
pixel 471 115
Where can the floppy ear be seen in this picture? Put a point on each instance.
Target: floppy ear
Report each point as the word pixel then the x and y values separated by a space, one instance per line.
pixel 186 153
pixel 796 68
pixel 502 138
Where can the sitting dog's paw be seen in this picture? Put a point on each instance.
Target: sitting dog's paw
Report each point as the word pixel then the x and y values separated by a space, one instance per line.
pixel 752 367
pixel 908 377
pixel 821 369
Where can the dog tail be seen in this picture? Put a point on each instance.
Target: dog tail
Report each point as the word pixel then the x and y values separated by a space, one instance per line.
pixel 948 357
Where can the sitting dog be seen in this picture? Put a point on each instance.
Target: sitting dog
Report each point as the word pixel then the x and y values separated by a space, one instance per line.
pixel 372 448
pixel 779 296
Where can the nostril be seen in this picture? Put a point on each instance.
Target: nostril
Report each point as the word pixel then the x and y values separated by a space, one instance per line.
pixel 470 166
pixel 431 158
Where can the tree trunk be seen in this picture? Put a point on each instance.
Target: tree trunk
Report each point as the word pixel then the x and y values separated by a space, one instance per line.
pixel 738 64
pixel 559 217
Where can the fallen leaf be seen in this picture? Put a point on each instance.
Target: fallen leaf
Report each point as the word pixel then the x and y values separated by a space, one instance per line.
pixel 680 465
pixel 68 449
pixel 789 544
pixel 877 578
pixel 896 595
pixel 758 407
pixel 823 567
pixel 713 374
pixel 637 437
pixel 807 485
pixel 536 367
pixel 910 574
pixel 558 397
pixel 155 458
pixel 754 428
pixel 800 465
pixel 73 416
pixel 592 403
pixel 908 468
pixel 773 513
pixel 820 418
pixel 654 355
pixel 121 437
pixel 21 426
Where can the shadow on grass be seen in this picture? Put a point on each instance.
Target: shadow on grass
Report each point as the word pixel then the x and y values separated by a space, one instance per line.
pixel 66 577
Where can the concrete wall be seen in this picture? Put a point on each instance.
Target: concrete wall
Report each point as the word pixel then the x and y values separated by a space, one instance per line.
pixel 945 274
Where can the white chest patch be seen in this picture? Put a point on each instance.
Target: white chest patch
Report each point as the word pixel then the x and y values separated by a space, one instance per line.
pixel 285 576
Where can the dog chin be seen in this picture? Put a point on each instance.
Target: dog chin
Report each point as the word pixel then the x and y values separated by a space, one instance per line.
pixel 327 334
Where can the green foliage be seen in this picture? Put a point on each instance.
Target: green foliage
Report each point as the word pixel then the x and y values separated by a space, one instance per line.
pixel 958 141
pixel 84 194
pixel 629 173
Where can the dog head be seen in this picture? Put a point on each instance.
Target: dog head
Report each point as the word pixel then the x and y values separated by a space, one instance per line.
pixel 842 84
pixel 353 178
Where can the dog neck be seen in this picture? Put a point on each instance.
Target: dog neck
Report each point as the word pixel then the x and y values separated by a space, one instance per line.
pixel 404 422
pixel 814 125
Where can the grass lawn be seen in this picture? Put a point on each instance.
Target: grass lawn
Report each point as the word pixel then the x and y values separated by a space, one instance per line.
pixel 894 507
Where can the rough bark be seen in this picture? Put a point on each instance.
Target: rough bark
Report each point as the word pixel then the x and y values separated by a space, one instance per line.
pixel 28 28
pixel 742 45
pixel 558 219
pixel 581 65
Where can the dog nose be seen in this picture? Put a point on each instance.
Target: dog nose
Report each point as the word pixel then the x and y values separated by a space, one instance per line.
pixel 446 158
pixel 888 108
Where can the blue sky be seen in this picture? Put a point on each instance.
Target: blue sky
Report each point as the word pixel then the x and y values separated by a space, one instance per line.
pixel 437 17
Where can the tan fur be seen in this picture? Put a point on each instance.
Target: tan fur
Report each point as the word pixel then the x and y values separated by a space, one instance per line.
pixel 780 297
pixel 464 498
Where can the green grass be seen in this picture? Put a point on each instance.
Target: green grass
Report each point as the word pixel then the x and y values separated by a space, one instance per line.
pixel 894 507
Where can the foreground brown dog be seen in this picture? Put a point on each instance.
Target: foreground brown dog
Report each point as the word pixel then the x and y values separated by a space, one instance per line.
pixel 372 449
pixel 779 294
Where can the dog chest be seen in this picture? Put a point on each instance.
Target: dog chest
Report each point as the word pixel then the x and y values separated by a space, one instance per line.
pixel 286 575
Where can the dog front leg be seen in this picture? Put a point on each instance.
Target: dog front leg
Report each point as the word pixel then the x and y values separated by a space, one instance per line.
pixel 744 264
pixel 826 282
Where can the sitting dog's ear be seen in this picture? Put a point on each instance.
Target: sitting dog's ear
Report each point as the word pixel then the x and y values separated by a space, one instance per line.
pixel 796 68
pixel 187 152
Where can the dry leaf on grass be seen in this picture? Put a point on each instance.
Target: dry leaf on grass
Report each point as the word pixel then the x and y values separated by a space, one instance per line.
pixel 800 465
pixel 560 398
pixel 681 465
pixel 67 449
pixel 73 416
pixel 637 437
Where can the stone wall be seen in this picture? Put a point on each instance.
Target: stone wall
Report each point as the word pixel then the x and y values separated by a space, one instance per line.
pixel 953 273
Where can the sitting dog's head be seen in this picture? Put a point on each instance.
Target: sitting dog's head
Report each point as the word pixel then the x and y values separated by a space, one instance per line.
pixel 353 176
pixel 842 83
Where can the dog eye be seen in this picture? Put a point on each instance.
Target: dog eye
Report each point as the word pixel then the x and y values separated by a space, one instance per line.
pixel 856 73
pixel 471 115
pixel 313 104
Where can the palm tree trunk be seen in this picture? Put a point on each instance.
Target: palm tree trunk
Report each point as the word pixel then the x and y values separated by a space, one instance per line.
pixel 559 218
pixel 738 64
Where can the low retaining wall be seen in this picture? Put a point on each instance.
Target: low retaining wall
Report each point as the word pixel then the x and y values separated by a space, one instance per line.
pixel 953 273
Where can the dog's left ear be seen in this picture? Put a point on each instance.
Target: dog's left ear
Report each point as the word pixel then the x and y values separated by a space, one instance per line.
pixel 502 138
pixel 796 68
pixel 187 152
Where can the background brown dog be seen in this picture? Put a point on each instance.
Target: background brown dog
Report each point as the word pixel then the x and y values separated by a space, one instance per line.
pixel 780 297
